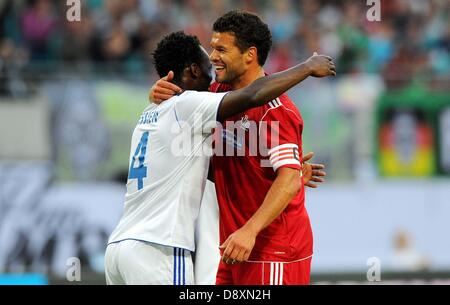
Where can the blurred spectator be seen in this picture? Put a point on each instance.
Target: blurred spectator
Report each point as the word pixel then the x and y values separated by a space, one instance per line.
pixel 77 41
pixel 411 43
pixel 354 39
pixel 412 39
pixel 405 256
pixel 280 58
pixel 38 25
pixel 112 42
pixel 198 24
pixel 282 20
pixel 381 46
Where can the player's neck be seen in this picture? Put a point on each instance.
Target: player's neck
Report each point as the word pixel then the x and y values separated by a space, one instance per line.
pixel 247 78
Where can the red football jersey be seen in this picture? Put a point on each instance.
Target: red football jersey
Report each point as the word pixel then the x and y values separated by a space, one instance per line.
pixel 243 179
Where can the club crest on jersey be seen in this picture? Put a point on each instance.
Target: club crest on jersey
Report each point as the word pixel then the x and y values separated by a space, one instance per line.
pixel 245 123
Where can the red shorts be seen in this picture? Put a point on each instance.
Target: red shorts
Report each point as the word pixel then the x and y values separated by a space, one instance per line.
pixel 265 273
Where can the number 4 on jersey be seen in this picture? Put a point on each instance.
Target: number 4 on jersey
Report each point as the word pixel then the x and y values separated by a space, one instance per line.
pixel 139 172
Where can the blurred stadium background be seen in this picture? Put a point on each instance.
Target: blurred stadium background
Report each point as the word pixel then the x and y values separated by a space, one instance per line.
pixel 71 92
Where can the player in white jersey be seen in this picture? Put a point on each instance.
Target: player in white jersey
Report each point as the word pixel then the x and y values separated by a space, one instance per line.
pixel 169 160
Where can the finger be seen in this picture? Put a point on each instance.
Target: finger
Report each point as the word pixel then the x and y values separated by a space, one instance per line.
pixel 162 97
pixel 311 185
pixel 318 173
pixel 328 57
pixel 163 83
pixel 308 156
pixel 225 259
pixel 317 169
pixel 162 90
pixel 151 94
pixel 222 249
pixel 227 252
pixel 224 245
pixel 316 179
pixel 241 256
pixel 170 76
pixel 237 256
pixel 234 254
pixel 317 166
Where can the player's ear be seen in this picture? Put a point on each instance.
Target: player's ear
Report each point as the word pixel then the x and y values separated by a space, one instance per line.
pixel 251 55
pixel 195 70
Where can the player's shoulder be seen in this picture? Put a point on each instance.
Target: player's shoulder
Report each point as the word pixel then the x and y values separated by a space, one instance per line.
pixel 286 102
pixel 189 96
pixel 150 107
pixel 281 107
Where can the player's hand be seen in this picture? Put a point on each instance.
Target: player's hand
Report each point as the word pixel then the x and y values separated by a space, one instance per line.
pixel 163 89
pixel 312 172
pixel 321 65
pixel 238 246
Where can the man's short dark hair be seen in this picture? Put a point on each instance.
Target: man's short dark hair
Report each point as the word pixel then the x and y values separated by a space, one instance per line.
pixel 249 31
pixel 175 52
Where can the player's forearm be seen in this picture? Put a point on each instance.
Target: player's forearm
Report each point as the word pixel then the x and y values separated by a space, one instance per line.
pixel 283 190
pixel 270 87
pixel 262 91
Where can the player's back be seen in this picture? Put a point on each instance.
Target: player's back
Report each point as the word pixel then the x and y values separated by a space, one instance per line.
pixel 167 171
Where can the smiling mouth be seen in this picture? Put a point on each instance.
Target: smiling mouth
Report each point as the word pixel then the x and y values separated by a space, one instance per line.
pixel 219 68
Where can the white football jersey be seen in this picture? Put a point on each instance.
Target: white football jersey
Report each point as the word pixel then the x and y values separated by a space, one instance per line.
pixel 168 168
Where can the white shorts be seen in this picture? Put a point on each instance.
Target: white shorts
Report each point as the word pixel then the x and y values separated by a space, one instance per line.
pixel 132 262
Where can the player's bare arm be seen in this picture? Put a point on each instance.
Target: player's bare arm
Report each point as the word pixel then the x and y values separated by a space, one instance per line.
pixel 316 66
pixel 267 88
pixel 239 245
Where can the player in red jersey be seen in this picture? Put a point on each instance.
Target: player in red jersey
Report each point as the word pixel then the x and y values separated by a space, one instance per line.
pixel 264 226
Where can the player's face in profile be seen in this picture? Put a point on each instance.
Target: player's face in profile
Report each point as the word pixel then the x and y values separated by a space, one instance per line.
pixel 226 57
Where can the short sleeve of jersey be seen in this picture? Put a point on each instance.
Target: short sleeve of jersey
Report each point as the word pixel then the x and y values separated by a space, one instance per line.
pixel 198 109
pixel 281 129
